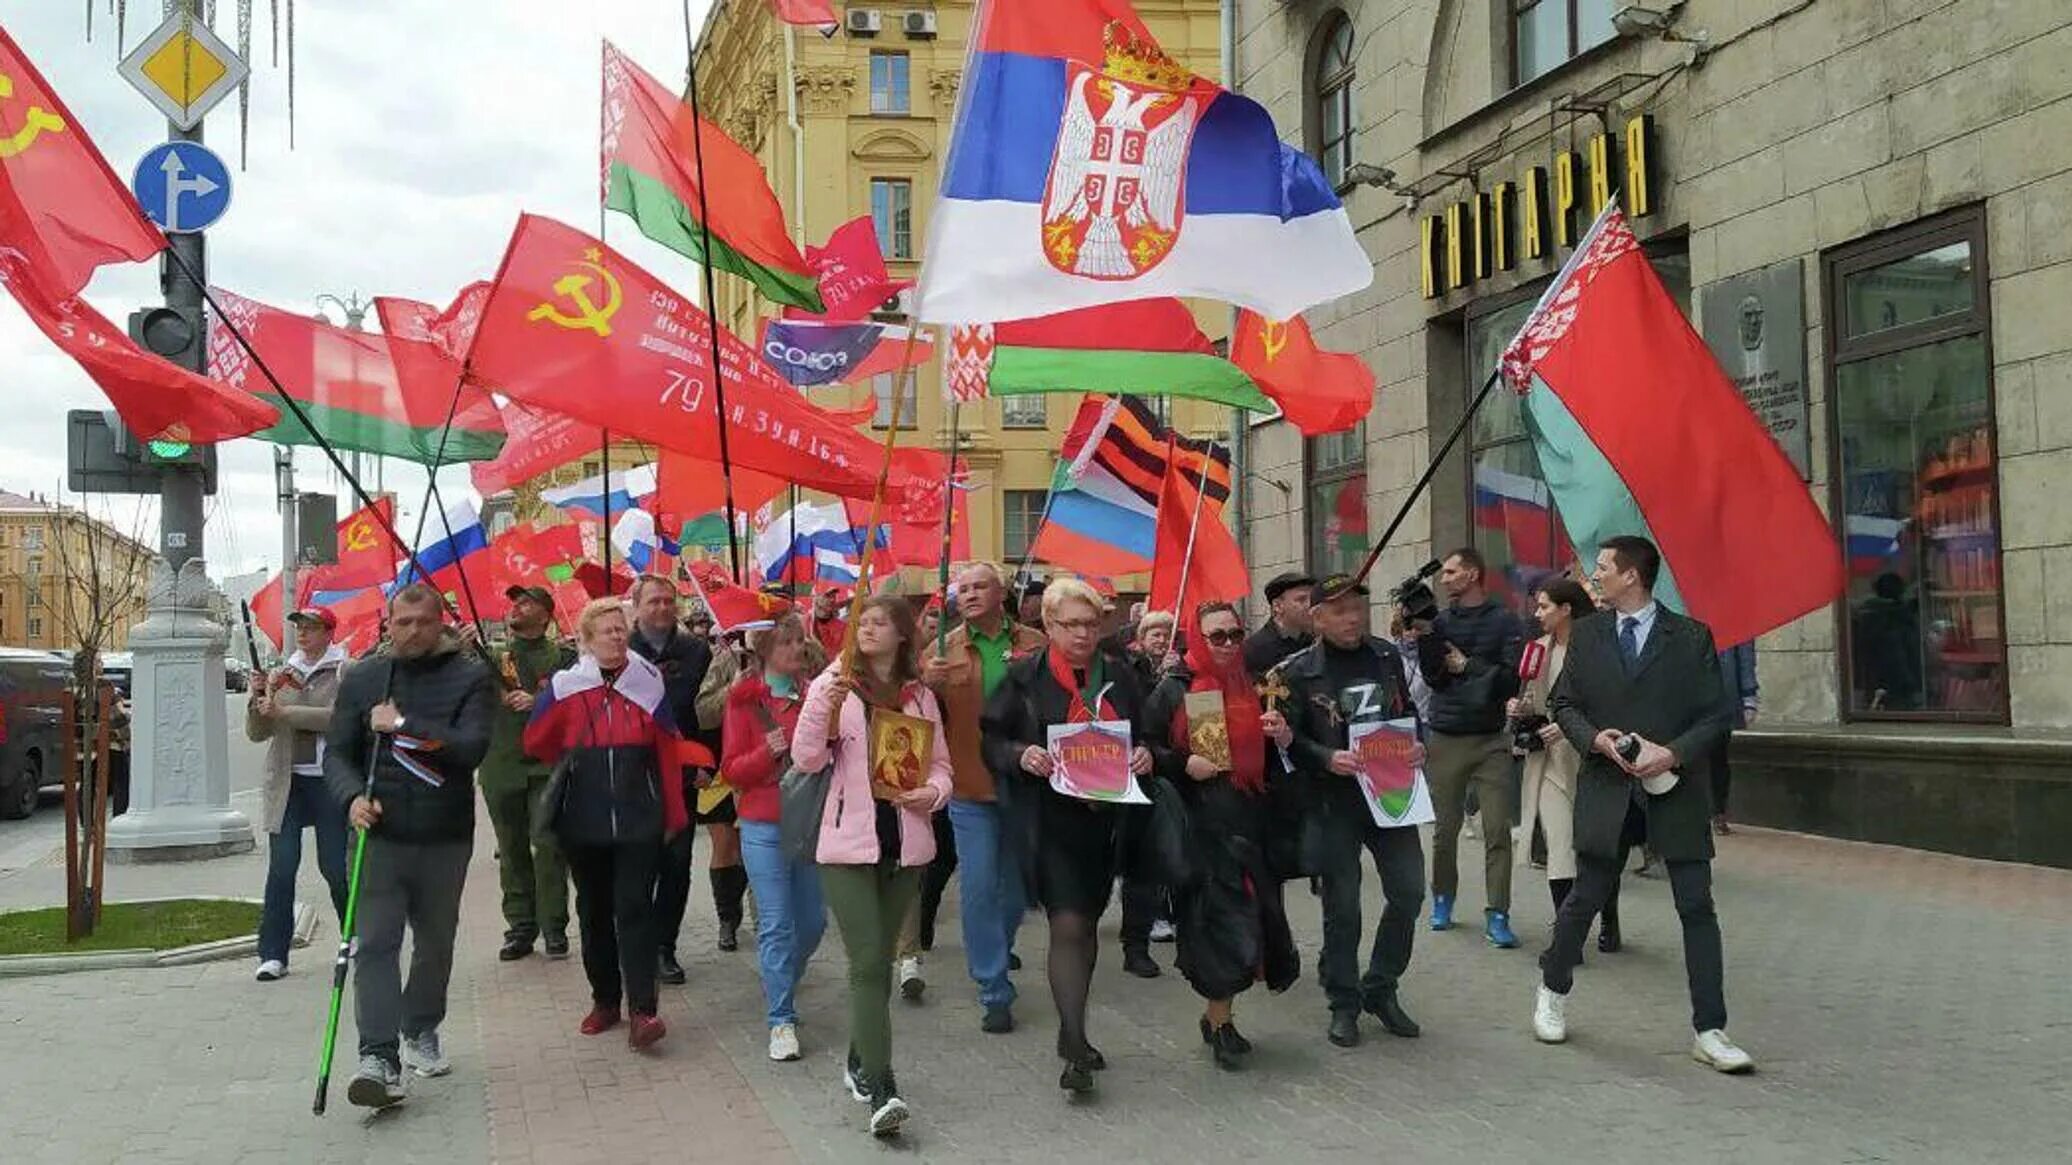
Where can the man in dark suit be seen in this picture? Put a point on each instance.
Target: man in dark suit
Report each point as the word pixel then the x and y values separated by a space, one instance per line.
pixel 1639 697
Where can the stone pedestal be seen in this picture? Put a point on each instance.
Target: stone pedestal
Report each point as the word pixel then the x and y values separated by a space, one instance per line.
pixel 179 760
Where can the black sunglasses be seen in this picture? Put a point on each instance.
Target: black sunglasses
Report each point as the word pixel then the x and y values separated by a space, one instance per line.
pixel 1223 638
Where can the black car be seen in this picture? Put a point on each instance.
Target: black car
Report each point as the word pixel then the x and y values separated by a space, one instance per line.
pixel 31 724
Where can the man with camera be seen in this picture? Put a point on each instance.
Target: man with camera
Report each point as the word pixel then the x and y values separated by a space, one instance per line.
pixel 1639 696
pixel 1470 659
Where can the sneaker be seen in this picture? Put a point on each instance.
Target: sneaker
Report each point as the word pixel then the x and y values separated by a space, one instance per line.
pixel 852 1079
pixel 600 1020
pixel 513 950
pixel 1162 930
pixel 270 970
pixel 1498 931
pixel 784 1042
pixel 911 985
pixel 378 1084
pixel 1714 1050
pixel 1138 961
pixel 424 1055
pixel 1550 1016
pixel 998 1021
pixel 557 947
pixel 645 1031
pixel 1442 912
pixel 888 1111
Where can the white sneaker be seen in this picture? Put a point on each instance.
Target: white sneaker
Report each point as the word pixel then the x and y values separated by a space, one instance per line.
pixel 1714 1050
pixel 1550 1016
pixel 1162 931
pixel 784 1042
pixel 423 1055
pixel 270 970
pixel 908 972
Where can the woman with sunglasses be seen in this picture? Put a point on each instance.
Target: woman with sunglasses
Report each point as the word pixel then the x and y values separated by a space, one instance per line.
pixel 1068 844
pixel 1233 929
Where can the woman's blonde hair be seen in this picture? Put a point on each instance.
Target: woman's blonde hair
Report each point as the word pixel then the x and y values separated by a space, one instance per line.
pixel 1066 590
pixel 595 610
pixel 786 628
pixel 1153 620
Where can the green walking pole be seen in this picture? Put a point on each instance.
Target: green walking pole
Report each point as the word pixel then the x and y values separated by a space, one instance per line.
pixel 345 930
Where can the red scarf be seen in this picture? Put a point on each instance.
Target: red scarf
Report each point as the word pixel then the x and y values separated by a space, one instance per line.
pixel 1241 712
pixel 1077 711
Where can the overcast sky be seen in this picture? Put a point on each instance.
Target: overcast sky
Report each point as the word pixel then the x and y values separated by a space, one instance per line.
pixel 422 129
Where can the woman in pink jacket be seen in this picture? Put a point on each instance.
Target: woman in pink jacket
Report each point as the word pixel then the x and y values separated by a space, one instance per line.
pixel 874 840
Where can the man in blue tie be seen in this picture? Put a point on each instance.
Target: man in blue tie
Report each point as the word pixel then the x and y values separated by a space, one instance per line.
pixel 1639 696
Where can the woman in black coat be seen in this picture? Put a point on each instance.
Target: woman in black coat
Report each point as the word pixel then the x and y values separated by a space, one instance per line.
pixel 1069 845
pixel 1233 928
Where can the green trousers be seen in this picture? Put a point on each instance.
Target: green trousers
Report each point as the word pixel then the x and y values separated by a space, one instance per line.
pixel 533 874
pixel 870 904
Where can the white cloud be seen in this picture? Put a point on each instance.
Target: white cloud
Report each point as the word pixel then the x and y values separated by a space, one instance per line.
pixel 421 131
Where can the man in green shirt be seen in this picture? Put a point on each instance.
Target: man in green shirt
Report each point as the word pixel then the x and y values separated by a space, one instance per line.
pixel 532 872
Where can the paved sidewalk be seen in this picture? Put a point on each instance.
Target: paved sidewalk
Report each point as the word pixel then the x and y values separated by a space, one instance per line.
pixel 1902 1006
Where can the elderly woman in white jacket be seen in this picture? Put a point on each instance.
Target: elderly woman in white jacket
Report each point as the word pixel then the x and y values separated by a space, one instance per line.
pixel 1550 769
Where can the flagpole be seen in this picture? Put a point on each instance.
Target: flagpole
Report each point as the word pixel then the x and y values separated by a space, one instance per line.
pixel 1424 479
pixel 606 549
pixel 949 533
pixel 1021 573
pixel 901 378
pixel 719 388
pixel 1201 494
pixel 467 589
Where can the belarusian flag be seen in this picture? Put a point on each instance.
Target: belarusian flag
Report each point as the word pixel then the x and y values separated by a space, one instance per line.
pixel 351 387
pixel 1148 347
pixel 649 150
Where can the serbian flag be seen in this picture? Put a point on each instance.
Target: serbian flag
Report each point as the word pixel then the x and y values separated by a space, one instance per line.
pixel 1086 166
pixel 810 354
pixel 537 441
pixel 352 389
pixel 1318 392
pixel 1148 347
pixel 1197 560
pixel 574 327
pixel 734 607
pixel 852 275
pixel 1639 432
pixel 366 554
pixel 650 156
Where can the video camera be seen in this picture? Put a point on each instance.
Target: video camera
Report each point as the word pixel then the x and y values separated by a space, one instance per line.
pixel 1414 595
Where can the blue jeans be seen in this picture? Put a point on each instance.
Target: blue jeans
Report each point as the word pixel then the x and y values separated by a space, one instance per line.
pixel 991 899
pixel 310 806
pixel 789 917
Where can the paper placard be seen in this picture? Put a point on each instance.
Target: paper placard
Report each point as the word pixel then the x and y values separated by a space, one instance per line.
pixel 900 747
pixel 1093 762
pixel 1391 783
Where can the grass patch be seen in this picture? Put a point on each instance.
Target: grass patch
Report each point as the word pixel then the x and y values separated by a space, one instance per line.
pixel 153 926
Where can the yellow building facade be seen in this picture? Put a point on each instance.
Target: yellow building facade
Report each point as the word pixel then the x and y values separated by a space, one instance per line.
pixel 858 124
pixel 63 573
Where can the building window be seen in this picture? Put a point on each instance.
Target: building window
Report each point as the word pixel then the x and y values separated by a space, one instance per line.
pixel 882 387
pixel 1336 502
pixel 1331 98
pixel 889 91
pixel 1021 515
pixel 1515 525
pixel 35 627
pixel 32 539
pixel 1025 411
pixel 892 212
pixel 1547 33
pixel 35 569
pixel 1916 479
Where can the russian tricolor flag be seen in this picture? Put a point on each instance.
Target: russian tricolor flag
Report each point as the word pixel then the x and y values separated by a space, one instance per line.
pixel 1087 167
pixel 620 490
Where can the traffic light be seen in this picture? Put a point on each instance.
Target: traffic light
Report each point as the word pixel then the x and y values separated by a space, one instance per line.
pixel 173 334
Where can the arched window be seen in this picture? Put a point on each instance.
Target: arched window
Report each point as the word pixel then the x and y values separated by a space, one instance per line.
pixel 1331 97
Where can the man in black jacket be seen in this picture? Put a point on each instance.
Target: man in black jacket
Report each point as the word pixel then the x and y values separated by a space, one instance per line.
pixel 682 659
pixel 1470 659
pixel 1349 677
pixel 422 716
pixel 1287 627
pixel 1639 697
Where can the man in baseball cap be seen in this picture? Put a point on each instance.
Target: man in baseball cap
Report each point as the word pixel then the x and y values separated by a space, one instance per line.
pixel 531 870
pixel 316 616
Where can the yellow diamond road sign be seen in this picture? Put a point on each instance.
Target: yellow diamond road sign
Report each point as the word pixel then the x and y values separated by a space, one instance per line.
pixel 184 69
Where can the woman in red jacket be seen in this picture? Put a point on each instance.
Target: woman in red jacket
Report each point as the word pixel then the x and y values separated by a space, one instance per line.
pixel 606 716
pixel 762 712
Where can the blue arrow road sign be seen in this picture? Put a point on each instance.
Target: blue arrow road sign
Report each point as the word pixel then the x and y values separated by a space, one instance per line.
pixel 182 186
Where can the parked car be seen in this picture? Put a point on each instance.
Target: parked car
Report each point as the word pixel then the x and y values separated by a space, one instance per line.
pixel 31 724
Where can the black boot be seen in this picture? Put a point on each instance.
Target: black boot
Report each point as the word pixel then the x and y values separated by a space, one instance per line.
pixel 1345 1029
pixel 1138 961
pixel 729 883
pixel 668 970
pixel 1397 1022
pixel 514 948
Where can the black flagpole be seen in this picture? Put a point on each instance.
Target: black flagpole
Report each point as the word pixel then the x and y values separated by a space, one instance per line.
pixel 719 387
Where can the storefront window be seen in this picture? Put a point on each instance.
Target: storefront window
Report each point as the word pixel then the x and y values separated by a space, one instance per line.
pixel 1336 506
pixel 1916 479
pixel 1515 524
